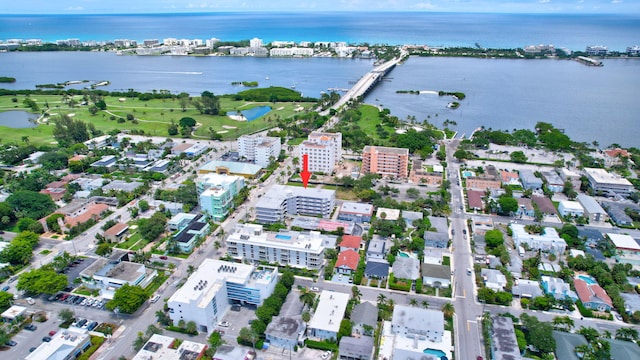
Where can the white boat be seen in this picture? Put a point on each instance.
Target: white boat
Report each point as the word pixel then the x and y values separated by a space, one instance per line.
pixel 266 78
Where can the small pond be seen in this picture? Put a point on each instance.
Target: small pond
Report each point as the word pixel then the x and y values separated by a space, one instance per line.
pixel 255 112
pixel 17 119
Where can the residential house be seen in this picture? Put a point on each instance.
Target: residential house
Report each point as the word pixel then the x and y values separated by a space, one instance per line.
pixel 435 275
pixel 558 288
pixel 591 294
pixel 525 207
pixel 187 237
pixel 526 289
pixel 592 210
pixel 510 178
pixel 627 249
pixel 406 268
pixel 347 262
pixel 108 275
pixel 121 185
pixel 529 180
pixel 364 319
pixel 493 279
pixel 66 344
pixel 116 233
pixel 56 190
pixel 356 348
pixel 568 208
pixel 377 248
pixel 411 216
pixel 618 212
pixel 474 200
pixel 613 156
pixel 554 182
pixel 436 240
pixel 482 183
pixel 350 242
pixel 566 343
pixel 325 323
pixel 285 332
pixel 388 214
pixel 108 162
pixel 407 320
pixel 545 205
pixel 420 174
pixel 377 269
pixel 481 224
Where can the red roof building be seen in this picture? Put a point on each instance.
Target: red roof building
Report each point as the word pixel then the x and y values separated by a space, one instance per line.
pixel 350 242
pixel 347 262
pixel 591 294
pixel 474 198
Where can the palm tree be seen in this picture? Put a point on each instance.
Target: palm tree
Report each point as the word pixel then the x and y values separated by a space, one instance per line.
pixel 425 304
pixel 381 299
pixel 628 334
pixel 307 297
pixel 355 292
pixel 448 309
pixel 413 302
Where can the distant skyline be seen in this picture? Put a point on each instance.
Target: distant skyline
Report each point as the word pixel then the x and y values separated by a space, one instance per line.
pixel 628 7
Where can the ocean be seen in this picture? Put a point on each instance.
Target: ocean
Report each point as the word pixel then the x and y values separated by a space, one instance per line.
pixel 436 29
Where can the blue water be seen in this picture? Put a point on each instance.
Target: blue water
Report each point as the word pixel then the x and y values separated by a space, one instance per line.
pixel 588 279
pixel 283 237
pixel 435 29
pixel 404 255
pixel 436 352
pixel 256 112
pixel 467 174
pixel 17 119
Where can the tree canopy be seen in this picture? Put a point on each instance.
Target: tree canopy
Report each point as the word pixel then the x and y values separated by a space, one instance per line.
pixel 69 131
pixel 151 228
pixel 128 299
pixel 31 204
pixel 43 280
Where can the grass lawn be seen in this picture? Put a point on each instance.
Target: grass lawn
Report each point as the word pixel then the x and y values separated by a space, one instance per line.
pixel 345 194
pixel 157 282
pixel 153 117
pixel 133 239
pixel 45 252
pixel 369 119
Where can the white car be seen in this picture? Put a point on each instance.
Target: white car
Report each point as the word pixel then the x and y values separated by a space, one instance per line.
pixel 224 324
pixel 314 289
pixel 155 298
pixel 326 355
pixel 30 301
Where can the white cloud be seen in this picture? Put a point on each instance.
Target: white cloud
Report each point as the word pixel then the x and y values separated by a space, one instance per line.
pixel 74 8
pixel 424 6
pixel 616 1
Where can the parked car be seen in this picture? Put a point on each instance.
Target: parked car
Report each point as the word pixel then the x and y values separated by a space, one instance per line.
pixel 326 355
pixel 11 343
pixel 31 327
pixel 155 298
pixel 6 288
pixel 224 324
pixel 46 339
pixel 92 325
pixel 32 349
pixel 81 323
pixel 163 257
pixel 52 332
pixel 314 289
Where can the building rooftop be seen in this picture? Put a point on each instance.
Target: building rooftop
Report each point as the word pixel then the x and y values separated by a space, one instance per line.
pixel 505 345
pixel 590 204
pixel 285 327
pixel 622 241
pixel 365 313
pixel 406 268
pixel 591 292
pixel 330 311
pixel 571 205
pixel 314 223
pixel 386 150
pixel 544 204
pixel 351 241
pixel 231 167
pixel 603 177
pixel 417 318
pixel 116 229
pixel 279 193
pixel 121 185
pixel 61 346
pixel 357 346
pixel 348 258
pixel 356 208
pixel 286 239
pixel 159 347
pixel 377 267
pixel 566 343
pixel 436 271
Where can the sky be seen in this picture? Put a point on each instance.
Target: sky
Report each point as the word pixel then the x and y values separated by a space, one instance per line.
pixel 203 6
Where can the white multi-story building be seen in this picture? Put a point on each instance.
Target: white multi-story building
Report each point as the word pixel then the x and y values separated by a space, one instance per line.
pixel 325 323
pixel 547 241
pixel 217 192
pixel 251 242
pixel 284 200
pixel 255 43
pixel 602 181
pixel 162 347
pixel 292 51
pixel 209 291
pixel 324 151
pixel 261 149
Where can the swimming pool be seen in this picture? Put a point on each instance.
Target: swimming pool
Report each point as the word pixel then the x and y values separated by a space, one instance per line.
pixel 588 279
pixel 467 173
pixel 436 352
pixel 255 112
pixel 403 254
pixel 283 237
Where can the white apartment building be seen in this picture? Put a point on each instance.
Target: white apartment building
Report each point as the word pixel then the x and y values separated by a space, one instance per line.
pixel 324 151
pixel 602 181
pixel 259 149
pixel 325 323
pixel 251 242
pixel 292 51
pixel 255 43
pixel 547 241
pixel 284 200
pixel 209 291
